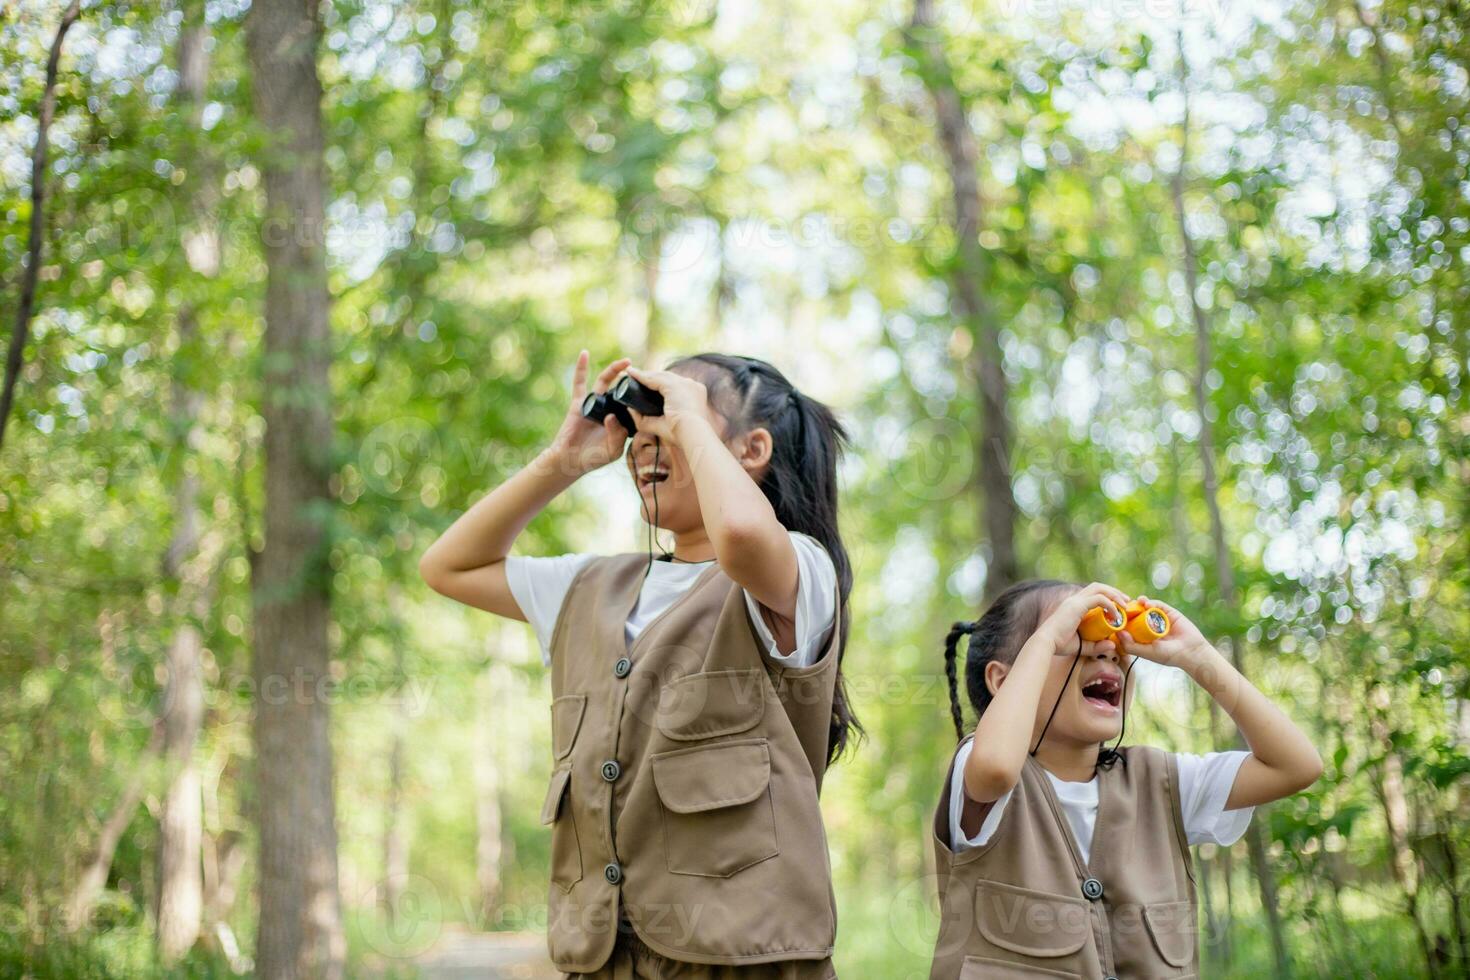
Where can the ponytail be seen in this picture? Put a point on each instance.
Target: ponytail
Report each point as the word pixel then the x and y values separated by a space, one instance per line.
pixel 807 443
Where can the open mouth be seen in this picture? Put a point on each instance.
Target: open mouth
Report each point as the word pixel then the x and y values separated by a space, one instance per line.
pixel 1103 692
pixel 649 475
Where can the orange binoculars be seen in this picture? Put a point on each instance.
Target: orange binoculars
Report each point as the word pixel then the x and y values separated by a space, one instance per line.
pixel 1144 623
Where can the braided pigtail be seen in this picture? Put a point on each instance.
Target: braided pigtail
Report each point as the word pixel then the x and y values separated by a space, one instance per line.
pixel 951 653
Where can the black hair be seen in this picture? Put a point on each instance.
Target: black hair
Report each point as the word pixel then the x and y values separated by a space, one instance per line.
pixel 800 481
pixel 997 636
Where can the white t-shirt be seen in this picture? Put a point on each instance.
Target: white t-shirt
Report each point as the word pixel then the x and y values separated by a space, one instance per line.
pixel 540 585
pixel 1205 782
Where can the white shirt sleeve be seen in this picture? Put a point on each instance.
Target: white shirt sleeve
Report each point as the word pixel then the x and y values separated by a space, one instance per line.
pixel 957 840
pixel 1205 782
pixel 539 586
pixel 816 605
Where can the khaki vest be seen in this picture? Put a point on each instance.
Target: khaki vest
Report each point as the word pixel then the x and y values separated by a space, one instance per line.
pixel 687 768
pixel 1024 905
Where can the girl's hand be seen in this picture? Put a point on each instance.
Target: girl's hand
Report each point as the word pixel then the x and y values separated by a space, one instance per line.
pixel 1061 626
pixel 582 446
pixel 1180 648
pixel 684 400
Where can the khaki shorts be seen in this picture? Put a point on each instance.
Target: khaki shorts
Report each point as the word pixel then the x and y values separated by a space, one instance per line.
pixel 632 960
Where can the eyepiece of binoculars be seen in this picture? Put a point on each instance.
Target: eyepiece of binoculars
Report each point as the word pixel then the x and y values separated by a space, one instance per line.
pixel 1144 623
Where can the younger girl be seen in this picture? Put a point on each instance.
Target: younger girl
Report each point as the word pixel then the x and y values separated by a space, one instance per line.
pixel 1059 857
pixel 697 699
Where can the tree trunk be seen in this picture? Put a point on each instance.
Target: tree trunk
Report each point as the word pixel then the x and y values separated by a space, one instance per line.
pixel 1225 575
pixel 35 247
pixel 299 934
pixel 489 851
pixel 1388 786
pixel 969 280
pixel 651 272
pixel 83 896
pixel 395 824
pixel 180 903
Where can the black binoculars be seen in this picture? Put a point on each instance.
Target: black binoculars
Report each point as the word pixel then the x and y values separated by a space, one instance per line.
pixel 626 394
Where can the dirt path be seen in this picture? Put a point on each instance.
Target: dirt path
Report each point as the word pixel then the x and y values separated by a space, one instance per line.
pixel 487 956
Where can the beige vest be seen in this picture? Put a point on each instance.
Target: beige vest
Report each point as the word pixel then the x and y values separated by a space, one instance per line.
pixel 685 785
pixel 1024 905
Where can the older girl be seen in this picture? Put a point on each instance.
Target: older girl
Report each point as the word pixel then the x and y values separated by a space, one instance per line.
pixel 697 699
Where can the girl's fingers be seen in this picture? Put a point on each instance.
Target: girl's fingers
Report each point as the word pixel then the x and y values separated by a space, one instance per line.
pixel 605 379
pixel 1116 596
pixel 1105 601
pixel 1174 614
pixel 655 380
pixel 579 379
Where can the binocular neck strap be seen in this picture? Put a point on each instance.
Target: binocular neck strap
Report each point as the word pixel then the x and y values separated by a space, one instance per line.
pixel 1060 694
pixel 1110 755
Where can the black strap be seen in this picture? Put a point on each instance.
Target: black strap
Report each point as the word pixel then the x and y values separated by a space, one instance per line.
pixel 1060 694
pixel 1108 756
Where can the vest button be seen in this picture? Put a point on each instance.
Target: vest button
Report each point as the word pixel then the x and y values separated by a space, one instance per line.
pixel 613 874
pixel 611 771
pixel 1092 888
pixel 622 668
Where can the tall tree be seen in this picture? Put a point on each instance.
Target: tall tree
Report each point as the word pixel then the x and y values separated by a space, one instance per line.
pixel 969 277
pixel 180 900
pixel 300 929
pixel 1224 569
pixel 15 355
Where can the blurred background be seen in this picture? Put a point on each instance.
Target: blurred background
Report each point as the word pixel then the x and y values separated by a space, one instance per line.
pixel 1170 293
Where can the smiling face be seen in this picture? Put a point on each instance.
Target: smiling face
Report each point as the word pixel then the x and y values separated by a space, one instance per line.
pixel 1091 707
pixel 665 469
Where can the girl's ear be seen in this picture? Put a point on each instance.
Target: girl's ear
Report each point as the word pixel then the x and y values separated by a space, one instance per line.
pixel 754 449
pixel 995 675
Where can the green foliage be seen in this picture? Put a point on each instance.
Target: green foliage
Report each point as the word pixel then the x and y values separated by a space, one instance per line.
pixel 510 183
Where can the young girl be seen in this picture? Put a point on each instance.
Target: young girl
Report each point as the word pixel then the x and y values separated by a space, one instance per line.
pixel 697 699
pixel 1059 857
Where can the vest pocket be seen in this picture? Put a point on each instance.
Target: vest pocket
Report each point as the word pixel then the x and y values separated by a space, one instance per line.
pixel 566 720
pixel 717 811
pixel 711 704
pixel 984 968
pixel 1172 925
pixel 566 851
pixel 1036 925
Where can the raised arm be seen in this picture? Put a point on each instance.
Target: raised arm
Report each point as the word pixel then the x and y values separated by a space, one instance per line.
pixel 751 545
pixel 467 562
pixel 1282 758
pixel 1003 734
